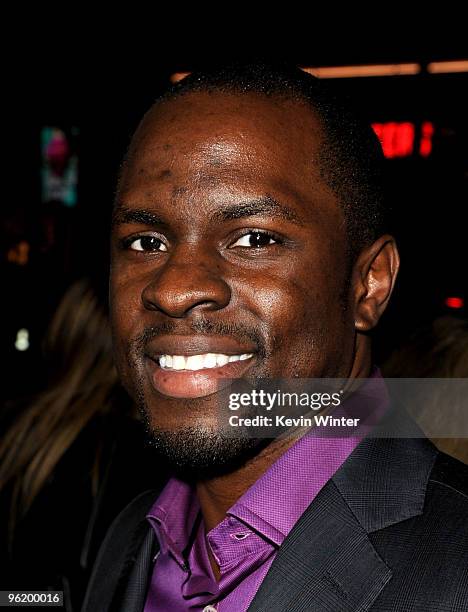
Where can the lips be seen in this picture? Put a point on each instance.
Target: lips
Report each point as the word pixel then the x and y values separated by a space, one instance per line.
pixel 193 383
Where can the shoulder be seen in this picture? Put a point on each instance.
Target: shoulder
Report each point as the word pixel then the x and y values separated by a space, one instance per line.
pixel 446 502
pixel 428 553
pixel 445 511
pixel 440 529
pixel 134 512
pixel 451 476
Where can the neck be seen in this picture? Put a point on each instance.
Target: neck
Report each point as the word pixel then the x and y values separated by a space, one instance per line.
pixel 218 494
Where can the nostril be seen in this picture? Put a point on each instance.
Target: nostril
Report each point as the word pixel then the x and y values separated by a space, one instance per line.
pixel 180 304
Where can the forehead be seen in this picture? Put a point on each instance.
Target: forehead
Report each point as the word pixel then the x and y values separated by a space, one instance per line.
pixel 205 141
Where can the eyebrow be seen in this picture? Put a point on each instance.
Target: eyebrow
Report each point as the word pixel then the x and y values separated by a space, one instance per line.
pixel 122 214
pixel 250 208
pixel 239 210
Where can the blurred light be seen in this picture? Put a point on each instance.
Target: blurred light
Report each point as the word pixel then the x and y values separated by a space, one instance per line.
pixel 22 340
pixel 375 70
pixel 397 139
pixel 427 132
pixel 454 302
pixel 178 76
pixel 19 254
pixel 370 70
pixel 445 67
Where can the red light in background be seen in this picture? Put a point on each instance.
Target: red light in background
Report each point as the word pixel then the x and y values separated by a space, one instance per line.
pixel 397 138
pixel 454 302
pixel 425 146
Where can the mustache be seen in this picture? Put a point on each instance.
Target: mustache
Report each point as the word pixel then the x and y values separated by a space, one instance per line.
pixel 200 326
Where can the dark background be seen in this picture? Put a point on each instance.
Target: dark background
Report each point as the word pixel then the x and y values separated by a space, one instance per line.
pixel 104 96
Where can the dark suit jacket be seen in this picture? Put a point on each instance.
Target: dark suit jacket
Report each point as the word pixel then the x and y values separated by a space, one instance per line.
pixel 389 532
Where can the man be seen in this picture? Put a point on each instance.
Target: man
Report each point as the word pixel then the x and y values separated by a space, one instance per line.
pixel 248 242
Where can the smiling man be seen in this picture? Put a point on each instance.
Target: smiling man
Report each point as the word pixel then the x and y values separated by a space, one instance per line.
pixel 248 242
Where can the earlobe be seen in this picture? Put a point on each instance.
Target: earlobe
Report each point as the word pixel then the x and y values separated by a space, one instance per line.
pixel 374 277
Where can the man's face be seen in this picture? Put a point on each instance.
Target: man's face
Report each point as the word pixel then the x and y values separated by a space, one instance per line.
pixel 227 246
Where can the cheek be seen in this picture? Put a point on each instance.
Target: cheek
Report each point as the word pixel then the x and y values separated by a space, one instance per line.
pixel 302 316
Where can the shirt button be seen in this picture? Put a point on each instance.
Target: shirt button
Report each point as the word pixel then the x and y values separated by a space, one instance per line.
pixel 209 609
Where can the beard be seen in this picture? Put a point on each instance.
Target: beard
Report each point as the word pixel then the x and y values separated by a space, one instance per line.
pixel 195 453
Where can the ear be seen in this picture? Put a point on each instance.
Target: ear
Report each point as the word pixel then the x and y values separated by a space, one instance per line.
pixel 374 276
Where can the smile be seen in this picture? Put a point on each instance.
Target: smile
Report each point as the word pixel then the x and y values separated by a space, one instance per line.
pixel 199 362
pixel 191 366
pixel 182 376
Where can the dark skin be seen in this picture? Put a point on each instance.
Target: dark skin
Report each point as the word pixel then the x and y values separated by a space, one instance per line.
pixel 193 158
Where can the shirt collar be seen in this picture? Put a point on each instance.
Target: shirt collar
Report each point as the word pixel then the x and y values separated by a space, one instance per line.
pixel 273 504
pixel 173 517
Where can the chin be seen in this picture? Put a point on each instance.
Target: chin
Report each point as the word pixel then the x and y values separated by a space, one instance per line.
pixel 198 451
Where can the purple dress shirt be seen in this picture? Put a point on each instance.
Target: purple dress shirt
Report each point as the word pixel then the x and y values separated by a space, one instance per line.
pixel 245 543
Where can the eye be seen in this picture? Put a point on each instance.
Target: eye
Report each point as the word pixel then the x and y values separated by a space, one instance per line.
pixel 255 240
pixel 145 243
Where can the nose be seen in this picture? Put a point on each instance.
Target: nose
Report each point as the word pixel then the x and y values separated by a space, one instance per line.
pixel 186 283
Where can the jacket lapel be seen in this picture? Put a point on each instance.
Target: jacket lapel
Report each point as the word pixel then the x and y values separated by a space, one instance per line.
pixel 328 562
pixel 384 481
pixel 132 597
pixel 123 566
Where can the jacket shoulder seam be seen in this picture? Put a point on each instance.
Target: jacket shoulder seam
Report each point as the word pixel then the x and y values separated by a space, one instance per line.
pixel 447 486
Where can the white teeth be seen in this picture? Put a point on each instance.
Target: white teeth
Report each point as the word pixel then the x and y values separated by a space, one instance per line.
pixel 222 360
pixel 199 362
pixel 194 362
pixel 209 360
pixel 178 362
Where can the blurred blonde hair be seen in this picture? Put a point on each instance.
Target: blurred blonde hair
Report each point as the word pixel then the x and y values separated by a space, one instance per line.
pixel 82 380
pixel 439 350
